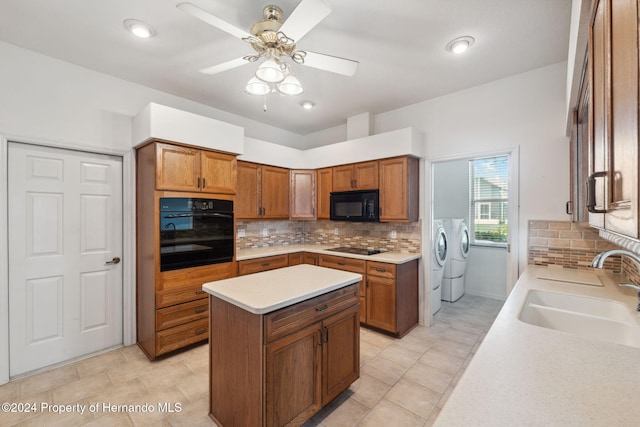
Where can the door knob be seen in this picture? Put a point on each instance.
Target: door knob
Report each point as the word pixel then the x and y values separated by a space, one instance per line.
pixel 115 260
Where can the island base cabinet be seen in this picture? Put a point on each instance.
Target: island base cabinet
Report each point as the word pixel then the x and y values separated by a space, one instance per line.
pixel 280 368
pixel 292 398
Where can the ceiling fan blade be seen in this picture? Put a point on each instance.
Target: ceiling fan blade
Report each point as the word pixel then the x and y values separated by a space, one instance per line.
pixel 304 17
pixel 205 16
pixel 224 66
pixel 347 67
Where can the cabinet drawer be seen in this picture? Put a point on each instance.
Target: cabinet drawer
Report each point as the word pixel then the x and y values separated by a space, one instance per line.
pixel 179 296
pixel 381 269
pixel 341 263
pixel 180 336
pixel 298 316
pixel 182 313
pixel 262 264
pixel 174 279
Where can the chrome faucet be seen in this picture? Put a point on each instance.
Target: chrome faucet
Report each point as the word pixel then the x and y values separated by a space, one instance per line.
pixel 598 262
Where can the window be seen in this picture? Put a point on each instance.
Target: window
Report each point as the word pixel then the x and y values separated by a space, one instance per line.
pixel 488 197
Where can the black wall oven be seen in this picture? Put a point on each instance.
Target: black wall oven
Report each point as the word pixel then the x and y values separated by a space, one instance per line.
pixel 195 232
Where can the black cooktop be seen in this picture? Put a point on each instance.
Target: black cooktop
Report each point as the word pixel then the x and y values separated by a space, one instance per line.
pixel 357 251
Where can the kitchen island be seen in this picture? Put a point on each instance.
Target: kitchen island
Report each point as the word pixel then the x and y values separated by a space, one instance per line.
pixel 526 374
pixel 283 343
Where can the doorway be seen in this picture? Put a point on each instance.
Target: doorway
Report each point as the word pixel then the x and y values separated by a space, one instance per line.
pixel 491 269
pixel 65 223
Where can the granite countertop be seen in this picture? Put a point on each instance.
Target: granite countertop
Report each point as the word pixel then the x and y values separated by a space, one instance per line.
pixel 389 257
pixel 524 374
pixel 272 290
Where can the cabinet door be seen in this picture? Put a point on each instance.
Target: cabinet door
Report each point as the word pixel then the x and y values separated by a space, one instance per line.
pixel 340 353
pixel 293 377
pixel 365 175
pixel 598 108
pixel 248 191
pixel 218 172
pixel 275 193
pixel 310 258
pixel 398 189
pixel 296 259
pixel 381 303
pixel 343 179
pixel 303 194
pixel 324 189
pixel 177 168
pixel 622 212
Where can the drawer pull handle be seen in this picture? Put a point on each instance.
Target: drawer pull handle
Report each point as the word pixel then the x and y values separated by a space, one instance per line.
pixel 265 264
pixel 201 309
pixel 322 307
pixel 199 292
pixel 201 331
pixel 340 262
pixel 380 270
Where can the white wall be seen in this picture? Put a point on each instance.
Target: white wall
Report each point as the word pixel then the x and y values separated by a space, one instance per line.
pixel 525 111
pixel 51 100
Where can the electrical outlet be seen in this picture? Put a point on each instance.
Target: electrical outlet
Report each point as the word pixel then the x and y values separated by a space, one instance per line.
pixel 335 231
pixel 241 232
pixel 265 232
pixel 394 234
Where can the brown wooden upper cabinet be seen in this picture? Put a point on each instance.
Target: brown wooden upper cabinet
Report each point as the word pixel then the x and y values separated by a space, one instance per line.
pixel 263 192
pixel 180 168
pixel 399 186
pixel 356 176
pixel 324 188
pixel 303 194
pixel 613 70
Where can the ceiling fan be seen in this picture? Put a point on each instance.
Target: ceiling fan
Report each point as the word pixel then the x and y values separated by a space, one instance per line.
pixel 273 41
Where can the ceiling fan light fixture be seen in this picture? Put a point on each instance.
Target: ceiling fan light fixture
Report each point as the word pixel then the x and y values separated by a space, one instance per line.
pixel 256 86
pixel 139 28
pixel 270 71
pixel 460 44
pixel 290 86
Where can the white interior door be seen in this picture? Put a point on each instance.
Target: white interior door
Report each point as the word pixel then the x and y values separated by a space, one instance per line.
pixel 65 240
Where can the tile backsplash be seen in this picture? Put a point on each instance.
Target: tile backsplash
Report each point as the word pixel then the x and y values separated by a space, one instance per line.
pixel 566 243
pixel 574 244
pixel 395 237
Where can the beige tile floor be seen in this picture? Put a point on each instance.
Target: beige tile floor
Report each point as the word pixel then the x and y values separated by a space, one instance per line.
pixel 403 382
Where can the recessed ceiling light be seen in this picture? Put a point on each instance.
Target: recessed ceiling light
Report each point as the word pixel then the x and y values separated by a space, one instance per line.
pixel 460 44
pixel 308 105
pixel 139 28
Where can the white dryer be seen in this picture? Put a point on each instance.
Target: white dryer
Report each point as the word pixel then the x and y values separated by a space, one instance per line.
pixel 439 248
pixel 456 264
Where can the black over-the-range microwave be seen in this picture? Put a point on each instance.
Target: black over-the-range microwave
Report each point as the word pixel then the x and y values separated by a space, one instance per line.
pixel 358 206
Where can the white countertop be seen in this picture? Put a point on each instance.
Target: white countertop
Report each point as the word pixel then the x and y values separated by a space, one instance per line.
pixel 524 374
pixel 268 291
pixel 390 257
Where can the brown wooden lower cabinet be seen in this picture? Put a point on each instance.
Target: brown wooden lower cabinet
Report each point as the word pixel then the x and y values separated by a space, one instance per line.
pixel 258 265
pixel 280 368
pixel 389 298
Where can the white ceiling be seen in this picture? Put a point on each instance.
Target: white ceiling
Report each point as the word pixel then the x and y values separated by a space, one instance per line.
pixel 400 46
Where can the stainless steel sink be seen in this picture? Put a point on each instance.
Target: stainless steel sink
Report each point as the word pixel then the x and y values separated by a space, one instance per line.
pixel 596 318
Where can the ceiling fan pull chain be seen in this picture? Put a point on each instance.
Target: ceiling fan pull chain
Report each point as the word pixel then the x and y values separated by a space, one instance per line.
pixel 264 104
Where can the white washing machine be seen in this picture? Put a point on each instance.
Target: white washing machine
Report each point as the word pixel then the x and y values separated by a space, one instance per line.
pixel 439 249
pixel 456 264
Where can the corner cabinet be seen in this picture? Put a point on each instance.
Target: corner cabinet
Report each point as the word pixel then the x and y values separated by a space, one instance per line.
pixel 282 367
pixel 613 49
pixel 263 192
pixel 181 168
pixel 303 194
pixel 399 186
